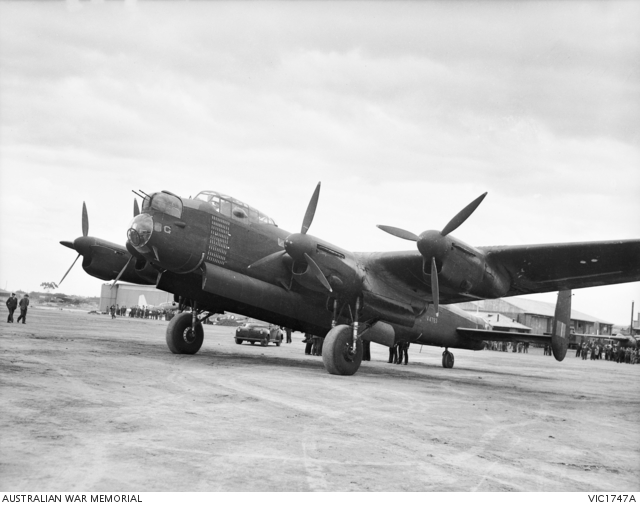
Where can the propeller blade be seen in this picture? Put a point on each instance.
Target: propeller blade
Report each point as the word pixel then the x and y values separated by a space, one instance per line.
pixel 136 209
pixel 65 274
pixel 317 272
pixel 398 232
pixel 461 217
pixel 121 272
pixel 85 220
pixel 435 290
pixel 311 210
pixel 268 259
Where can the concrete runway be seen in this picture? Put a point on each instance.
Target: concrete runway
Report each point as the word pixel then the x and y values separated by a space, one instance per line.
pixel 93 404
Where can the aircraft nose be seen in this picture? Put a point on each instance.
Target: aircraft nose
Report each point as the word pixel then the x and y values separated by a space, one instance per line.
pixel 140 230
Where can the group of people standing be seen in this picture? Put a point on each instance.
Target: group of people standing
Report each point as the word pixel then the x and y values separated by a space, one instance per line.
pixel 313 345
pixel 12 305
pixel 515 347
pixel 399 352
pixel 597 351
pixel 140 312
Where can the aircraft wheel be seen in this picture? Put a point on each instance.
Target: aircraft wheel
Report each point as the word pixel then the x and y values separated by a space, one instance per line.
pixel 238 341
pixel 181 338
pixel 447 359
pixel 335 352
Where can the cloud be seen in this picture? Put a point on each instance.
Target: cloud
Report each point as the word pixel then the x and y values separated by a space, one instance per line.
pixel 406 111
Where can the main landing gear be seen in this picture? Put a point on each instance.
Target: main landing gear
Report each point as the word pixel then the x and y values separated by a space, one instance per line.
pixel 342 348
pixel 447 359
pixel 338 354
pixel 185 334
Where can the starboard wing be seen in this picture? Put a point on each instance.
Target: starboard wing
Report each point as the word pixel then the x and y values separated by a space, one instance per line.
pixel 551 267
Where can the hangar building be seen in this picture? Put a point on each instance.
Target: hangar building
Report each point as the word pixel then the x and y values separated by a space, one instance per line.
pixel 537 315
pixel 127 295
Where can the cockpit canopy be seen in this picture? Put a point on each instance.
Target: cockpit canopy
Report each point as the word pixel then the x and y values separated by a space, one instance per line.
pixel 228 206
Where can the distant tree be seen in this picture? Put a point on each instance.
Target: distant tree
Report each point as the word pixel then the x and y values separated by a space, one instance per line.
pixel 48 286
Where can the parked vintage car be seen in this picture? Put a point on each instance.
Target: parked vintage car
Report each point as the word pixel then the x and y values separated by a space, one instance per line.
pixel 258 333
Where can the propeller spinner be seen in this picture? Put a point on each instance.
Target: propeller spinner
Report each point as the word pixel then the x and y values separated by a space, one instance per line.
pixel 433 245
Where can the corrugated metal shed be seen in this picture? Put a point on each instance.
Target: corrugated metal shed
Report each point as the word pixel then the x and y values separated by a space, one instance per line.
pixel 537 307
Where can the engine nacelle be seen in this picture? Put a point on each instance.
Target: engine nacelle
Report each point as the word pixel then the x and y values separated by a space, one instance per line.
pixel 465 269
pixel 105 262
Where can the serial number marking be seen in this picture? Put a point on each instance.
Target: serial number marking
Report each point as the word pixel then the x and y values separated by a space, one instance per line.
pixel 611 498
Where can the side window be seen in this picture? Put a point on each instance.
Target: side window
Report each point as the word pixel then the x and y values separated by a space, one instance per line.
pixel 215 202
pixel 225 207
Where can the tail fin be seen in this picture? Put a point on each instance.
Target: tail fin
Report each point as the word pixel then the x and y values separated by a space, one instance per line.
pixel 561 324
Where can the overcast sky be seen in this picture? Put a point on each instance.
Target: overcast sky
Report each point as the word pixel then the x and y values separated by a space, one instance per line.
pixel 405 111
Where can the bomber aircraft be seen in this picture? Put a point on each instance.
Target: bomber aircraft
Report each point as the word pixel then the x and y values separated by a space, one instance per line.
pixel 216 253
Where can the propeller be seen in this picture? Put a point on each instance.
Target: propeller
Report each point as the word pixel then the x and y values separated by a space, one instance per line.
pixel 85 220
pixel 311 210
pixel 121 272
pixel 72 245
pixel 74 263
pixel 299 246
pixel 432 244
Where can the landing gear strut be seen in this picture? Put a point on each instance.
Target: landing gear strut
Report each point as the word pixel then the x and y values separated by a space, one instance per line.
pixel 447 359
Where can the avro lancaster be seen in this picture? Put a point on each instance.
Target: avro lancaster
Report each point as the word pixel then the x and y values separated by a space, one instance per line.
pixel 215 253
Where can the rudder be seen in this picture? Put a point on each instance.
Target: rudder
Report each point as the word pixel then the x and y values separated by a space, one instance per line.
pixel 561 325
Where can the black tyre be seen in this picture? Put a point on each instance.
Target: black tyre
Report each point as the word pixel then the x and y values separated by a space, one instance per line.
pixel 181 338
pixel 277 343
pixel 335 352
pixel 447 360
pixel 264 342
pixel 238 341
pixel 252 343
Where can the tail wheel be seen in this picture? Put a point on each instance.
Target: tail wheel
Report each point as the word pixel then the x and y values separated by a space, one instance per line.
pixel 181 338
pixel 447 359
pixel 336 353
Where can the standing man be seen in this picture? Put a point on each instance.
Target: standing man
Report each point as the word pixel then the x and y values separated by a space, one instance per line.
pixel 315 347
pixel 288 331
pixel 24 304
pixel 403 352
pixel 393 354
pixel 308 339
pixel 12 304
